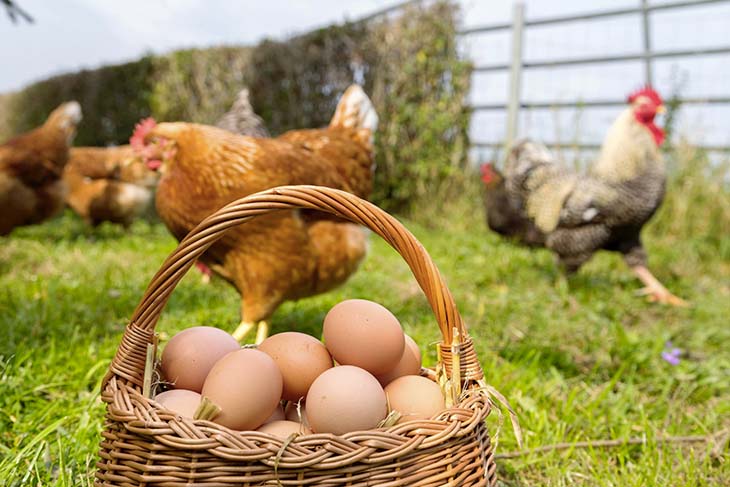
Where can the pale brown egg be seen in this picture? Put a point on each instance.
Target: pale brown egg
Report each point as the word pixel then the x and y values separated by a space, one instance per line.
pixel 296 411
pixel 414 397
pixel 345 399
pixel 180 401
pixel 364 334
pixel 284 429
pixel 409 364
pixel 277 415
pixel 190 354
pixel 301 359
pixel 246 385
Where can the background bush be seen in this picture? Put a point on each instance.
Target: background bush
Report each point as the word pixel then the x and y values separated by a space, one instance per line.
pixel 407 63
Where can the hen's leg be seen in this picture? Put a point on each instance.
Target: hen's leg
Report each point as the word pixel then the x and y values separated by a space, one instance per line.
pixel 245 327
pixel 205 272
pixel 655 290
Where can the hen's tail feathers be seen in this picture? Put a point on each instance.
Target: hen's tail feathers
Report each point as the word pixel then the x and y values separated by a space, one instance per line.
pixel 241 118
pixel 355 111
pixel 67 116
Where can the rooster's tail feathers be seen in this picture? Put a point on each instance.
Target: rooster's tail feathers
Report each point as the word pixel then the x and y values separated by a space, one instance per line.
pixel 355 110
pixel 525 155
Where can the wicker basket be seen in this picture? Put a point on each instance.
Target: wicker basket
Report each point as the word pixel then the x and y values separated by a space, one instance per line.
pixel 144 444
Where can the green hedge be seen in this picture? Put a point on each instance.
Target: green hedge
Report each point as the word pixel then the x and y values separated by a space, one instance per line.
pixel 408 63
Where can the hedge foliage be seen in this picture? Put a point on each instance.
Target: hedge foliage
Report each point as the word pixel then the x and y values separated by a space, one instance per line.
pixel 408 63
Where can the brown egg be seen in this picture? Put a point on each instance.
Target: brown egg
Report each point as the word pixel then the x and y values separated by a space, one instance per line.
pixel 180 401
pixel 414 397
pixel 301 359
pixel 189 355
pixel 409 364
pixel 295 414
pixel 277 415
pixel 364 334
pixel 284 429
pixel 345 399
pixel 246 385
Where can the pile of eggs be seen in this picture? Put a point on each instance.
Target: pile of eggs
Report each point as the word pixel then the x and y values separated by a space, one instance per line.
pixel 293 383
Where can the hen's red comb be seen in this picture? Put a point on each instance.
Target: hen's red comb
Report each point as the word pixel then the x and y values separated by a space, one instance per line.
pixel 648 92
pixel 487 172
pixel 141 130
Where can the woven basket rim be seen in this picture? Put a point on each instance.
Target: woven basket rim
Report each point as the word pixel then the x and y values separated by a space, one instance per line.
pixel 203 435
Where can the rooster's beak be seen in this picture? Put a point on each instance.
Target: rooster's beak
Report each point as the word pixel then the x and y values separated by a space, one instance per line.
pixel 661 109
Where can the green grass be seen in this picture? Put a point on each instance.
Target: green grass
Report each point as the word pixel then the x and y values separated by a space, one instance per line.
pixel 578 362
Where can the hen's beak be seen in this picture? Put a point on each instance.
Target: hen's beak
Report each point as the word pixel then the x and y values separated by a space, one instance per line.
pixel 661 109
pixel 154 164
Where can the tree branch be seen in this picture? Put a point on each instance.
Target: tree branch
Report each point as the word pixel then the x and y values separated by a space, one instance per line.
pixel 14 11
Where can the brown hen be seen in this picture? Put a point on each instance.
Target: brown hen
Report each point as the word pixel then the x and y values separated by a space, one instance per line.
pixel 108 184
pixel 280 256
pixel 31 168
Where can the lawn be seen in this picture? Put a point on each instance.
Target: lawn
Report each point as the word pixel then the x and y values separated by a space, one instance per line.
pixel 578 360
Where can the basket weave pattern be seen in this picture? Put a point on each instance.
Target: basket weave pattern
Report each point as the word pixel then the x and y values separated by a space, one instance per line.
pixel 145 444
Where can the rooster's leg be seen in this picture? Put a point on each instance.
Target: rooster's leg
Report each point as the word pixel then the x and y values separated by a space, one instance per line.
pixel 655 290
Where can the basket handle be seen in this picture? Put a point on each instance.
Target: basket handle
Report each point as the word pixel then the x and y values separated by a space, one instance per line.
pixel 129 361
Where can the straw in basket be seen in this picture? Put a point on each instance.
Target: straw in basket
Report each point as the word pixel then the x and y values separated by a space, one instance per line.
pixel 145 444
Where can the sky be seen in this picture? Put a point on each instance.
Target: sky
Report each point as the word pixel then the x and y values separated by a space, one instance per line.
pixel 76 34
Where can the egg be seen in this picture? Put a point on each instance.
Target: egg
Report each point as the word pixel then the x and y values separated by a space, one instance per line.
pixel 364 334
pixel 180 401
pixel 296 412
pixel 414 397
pixel 246 385
pixel 284 429
pixel 345 399
pixel 409 364
pixel 277 415
pixel 190 354
pixel 301 359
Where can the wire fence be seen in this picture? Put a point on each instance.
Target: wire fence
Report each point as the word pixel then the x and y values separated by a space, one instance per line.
pixel 636 22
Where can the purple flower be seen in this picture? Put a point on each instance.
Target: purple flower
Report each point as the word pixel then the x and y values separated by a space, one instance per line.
pixel 671 354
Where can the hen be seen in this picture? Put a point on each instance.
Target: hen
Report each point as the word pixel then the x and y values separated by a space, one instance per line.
pixel 108 184
pixel 539 202
pixel 112 184
pixel 31 167
pixel 280 256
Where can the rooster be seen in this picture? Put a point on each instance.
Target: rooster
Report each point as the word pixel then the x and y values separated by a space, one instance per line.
pixel 31 168
pixel 108 184
pixel 539 202
pixel 280 256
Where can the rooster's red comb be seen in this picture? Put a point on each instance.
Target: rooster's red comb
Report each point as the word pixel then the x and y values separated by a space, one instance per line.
pixel 648 92
pixel 140 132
